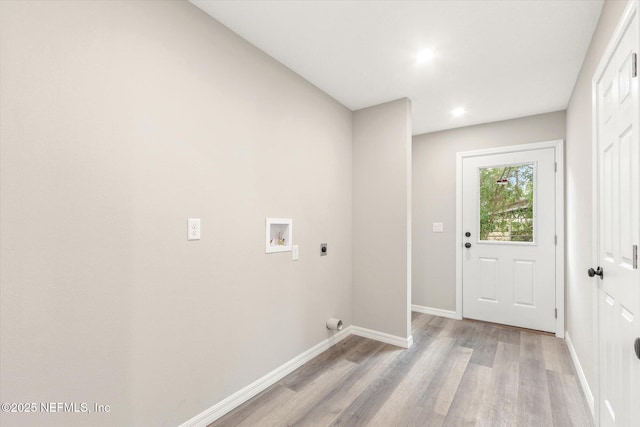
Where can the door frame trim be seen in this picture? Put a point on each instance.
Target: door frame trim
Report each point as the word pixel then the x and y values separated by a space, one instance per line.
pixel 558 146
pixel 625 20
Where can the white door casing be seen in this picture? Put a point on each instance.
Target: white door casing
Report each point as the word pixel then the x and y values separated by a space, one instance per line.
pixel 616 118
pixel 510 282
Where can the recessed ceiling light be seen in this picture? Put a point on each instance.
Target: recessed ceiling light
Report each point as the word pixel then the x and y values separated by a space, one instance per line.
pixel 425 56
pixel 457 112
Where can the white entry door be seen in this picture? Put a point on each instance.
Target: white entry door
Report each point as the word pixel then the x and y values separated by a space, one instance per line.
pixel 509 238
pixel 618 219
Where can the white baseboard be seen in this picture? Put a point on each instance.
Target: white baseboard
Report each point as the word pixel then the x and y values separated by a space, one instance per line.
pixel 435 311
pixel 230 403
pixel 382 337
pixel 221 408
pixel 581 376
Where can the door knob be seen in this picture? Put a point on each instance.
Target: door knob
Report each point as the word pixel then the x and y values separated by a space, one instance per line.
pixel 597 272
pixel 467 245
pixel 636 347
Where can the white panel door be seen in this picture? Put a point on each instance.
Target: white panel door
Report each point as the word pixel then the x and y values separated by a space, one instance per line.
pixel 508 223
pixel 618 216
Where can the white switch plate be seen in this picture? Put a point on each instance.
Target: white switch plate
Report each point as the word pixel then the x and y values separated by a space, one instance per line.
pixel 295 253
pixel 193 229
pixel 438 227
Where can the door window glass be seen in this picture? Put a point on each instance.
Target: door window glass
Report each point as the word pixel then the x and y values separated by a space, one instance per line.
pixel 507 203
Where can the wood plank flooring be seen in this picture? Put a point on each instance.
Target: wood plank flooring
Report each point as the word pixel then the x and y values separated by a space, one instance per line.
pixel 457 373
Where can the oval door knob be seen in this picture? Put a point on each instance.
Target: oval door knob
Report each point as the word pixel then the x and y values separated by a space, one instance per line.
pixel 467 245
pixel 597 272
pixel 636 347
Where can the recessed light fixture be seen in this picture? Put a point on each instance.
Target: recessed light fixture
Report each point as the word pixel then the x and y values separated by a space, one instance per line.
pixel 457 112
pixel 425 56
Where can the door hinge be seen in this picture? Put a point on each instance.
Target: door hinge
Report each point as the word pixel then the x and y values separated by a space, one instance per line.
pixel 634 65
pixel 555 239
pixel 555 167
pixel 635 257
pixel 556 313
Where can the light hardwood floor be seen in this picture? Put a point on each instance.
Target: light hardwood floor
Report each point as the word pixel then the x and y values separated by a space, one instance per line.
pixel 457 373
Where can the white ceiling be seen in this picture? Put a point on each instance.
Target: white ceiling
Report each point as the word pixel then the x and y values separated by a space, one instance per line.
pixel 497 59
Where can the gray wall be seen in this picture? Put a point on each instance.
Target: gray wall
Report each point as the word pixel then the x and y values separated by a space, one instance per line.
pixel 434 196
pixel 579 190
pixel 381 217
pixel 119 121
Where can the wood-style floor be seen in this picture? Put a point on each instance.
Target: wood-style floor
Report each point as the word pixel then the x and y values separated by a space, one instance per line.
pixel 457 373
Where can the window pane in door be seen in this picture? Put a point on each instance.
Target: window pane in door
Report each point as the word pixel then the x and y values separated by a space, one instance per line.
pixel 506 203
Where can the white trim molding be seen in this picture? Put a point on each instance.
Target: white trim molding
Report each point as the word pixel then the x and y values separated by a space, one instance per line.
pixel 558 146
pixel 625 21
pixel 583 379
pixel 225 406
pixel 435 311
pixel 238 398
pixel 382 337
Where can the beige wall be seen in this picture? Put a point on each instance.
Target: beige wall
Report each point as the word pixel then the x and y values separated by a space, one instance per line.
pixel 381 217
pixel 579 190
pixel 119 121
pixel 434 196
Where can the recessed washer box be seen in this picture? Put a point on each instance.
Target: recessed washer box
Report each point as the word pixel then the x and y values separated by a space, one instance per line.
pixel 278 235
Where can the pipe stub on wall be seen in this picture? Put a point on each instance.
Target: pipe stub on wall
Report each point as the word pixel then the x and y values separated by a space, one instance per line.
pixel 334 324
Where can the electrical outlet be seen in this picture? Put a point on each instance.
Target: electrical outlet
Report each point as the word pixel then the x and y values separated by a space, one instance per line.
pixel 323 249
pixel 438 227
pixel 193 229
pixel 295 253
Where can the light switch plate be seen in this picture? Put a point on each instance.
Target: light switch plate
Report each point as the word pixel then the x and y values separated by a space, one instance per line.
pixel 193 229
pixel 295 253
pixel 438 227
